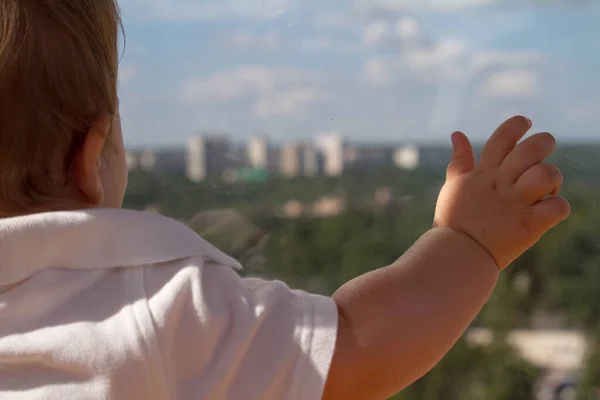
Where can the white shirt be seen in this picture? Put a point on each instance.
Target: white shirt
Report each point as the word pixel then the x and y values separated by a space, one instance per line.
pixel 114 304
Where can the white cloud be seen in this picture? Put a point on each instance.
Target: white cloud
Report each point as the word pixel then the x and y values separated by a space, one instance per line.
pixel 397 6
pixel 273 91
pixel 433 61
pixel 452 5
pixel 425 62
pixel 441 56
pixel 425 59
pixel 334 20
pixel 408 29
pixel 376 33
pixel 271 41
pixel 288 103
pixel 490 58
pixel 330 45
pixel 379 70
pixel 416 55
pixel 382 5
pixel 406 32
pixel 511 84
pixel 249 41
pixel 193 10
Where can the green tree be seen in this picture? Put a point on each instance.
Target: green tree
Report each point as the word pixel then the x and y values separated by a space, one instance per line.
pixel 495 372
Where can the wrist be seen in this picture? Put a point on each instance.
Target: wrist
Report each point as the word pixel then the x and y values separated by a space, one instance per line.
pixel 469 243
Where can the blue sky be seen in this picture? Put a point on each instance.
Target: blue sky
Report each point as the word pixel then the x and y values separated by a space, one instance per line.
pixel 377 70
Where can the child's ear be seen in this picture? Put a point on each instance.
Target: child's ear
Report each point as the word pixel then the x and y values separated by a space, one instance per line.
pixel 85 169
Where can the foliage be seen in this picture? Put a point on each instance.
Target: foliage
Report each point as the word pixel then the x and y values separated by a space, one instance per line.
pixel 467 373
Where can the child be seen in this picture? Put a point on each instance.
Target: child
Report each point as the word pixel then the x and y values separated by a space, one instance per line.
pixel 97 302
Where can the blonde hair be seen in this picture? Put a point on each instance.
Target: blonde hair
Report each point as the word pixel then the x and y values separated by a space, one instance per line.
pixel 58 73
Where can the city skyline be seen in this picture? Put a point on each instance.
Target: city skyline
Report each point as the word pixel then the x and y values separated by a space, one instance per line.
pixel 329 154
pixel 378 70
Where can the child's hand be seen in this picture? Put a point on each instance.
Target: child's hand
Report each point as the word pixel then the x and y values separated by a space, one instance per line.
pixel 508 200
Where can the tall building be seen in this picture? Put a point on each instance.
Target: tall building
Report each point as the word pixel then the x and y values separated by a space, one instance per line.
pixel 196 159
pixel 331 146
pixel 300 159
pixel 207 156
pixel 258 152
pixel 132 160
pixel 368 156
pixel 310 160
pixel 290 160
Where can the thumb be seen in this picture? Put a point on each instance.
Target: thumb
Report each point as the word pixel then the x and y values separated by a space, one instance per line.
pixel 463 158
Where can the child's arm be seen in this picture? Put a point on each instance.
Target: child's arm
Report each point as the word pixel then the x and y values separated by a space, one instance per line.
pixel 398 322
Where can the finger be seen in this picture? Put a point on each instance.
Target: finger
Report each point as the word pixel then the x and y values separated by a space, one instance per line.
pixel 463 158
pixel 550 212
pixel 538 182
pixel 503 141
pixel 530 152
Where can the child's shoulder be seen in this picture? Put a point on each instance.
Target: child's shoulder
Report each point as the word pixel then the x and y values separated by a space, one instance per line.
pixel 135 291
pixel 97 239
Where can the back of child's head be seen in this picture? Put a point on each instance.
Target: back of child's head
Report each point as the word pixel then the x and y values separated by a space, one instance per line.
pixel 58 73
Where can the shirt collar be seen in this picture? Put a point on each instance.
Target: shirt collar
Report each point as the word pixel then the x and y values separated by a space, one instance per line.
pixel 94 239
